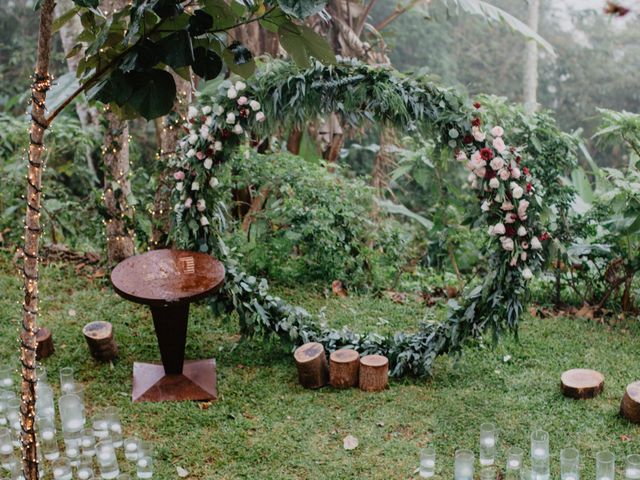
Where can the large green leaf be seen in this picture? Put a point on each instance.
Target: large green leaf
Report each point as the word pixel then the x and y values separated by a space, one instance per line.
pixel 223 16
pixel 177 50
pixel 301 42
pixel 61 89
pixel 302 8
pixel 398 209
pixel 154 94
pixel 59 22
pixel 207 64
pixel 87 3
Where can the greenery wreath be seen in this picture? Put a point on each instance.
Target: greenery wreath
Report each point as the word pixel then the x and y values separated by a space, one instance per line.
pixel 510 199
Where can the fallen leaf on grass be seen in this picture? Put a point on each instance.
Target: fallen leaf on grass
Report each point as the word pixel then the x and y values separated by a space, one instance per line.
pixel 350 442
pixel 625 438
pixel 338 288
pixel 182 473
pixel 72 312
pixel 204 405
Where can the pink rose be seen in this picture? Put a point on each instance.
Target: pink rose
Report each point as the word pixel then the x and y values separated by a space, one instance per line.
pixel 504 174
pixel 515 173
pixel 497 163
pixel 200 155
pixel 497 131
pixel 243 100
pixel 514 261
pixel 188 202
pixel 178 176
pixel 506 206
pixel 507 244
pixel 260 117
pixel 477 134
pixel 510 218
pixel 499 145
pixel 461 156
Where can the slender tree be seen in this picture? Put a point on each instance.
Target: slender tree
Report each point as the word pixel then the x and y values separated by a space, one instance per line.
pixel 33 230
pixel 530 96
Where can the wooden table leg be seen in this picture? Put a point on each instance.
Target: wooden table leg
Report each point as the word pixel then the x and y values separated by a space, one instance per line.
pixel 171 330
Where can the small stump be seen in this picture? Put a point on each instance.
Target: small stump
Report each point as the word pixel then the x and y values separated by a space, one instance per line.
pixel 99 337
pixel 44 341
pixel 581 383
pixel 630 406
pixel 312 365
pixel 374 373
pixel 344 366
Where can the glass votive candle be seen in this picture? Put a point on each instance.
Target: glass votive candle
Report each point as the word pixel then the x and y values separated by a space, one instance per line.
pixel 44 401
pixel 71 413
pixel 88 443
pixel 632 468
pixel 124 476
pixel 539 444
pixel 100 425
pixel 16 472
pixel 569 464
pixel 47 435
pixel 6 376
pixel 463 467
pixel 115 426
pixel 85 469
pixel 605 466
pixel 5 395
pixel 526 474
pixel 427 462
pixel 144 466
pixel 62 469
pixel 72 445
pixel 41 375
pixel 131 448
pixel 489 473
pixel 107 460
pixel 67 381
pixel 515 456
pixel 488 439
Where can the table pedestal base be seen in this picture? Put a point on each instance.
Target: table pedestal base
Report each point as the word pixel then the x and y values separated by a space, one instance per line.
pixel 196 382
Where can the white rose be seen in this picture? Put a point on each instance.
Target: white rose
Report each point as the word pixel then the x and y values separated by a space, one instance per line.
pixel 497 163
pixel 499 229
pixel 255 105
pixel 214 182
pixel 192 112
pixel 200 205
pixel 203 221
pixel 527 274
pixel 240 86
pixel 195 186
pixel 504 174
pixel 514 261
pixel 231 117
pixel 494 182
pixel 523 256
pixel 179 186
pixel 237 129
pixel 208 163
pixel 217 146
pixel 191 153
pixel 516 190
pixel 522 209
pixel 522 231
pixel 206 109
pixel 193 138
pixel 507 244
pixel 497 131
pixel 535 244
pixel 218 110
pixel 506 206
pixel 481 172
pixel 232 93
pixel 204 131
pixel 209 121
pixel 485 206
pixel 477 134
pixel 177 207
pixel 515 173
pixel 499 145
pixel 260 117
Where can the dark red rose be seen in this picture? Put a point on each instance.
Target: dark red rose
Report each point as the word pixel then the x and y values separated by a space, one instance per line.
pixel 518 159
pixel 468 139
pixel 226 133
pixel 487 153
pixel 477 105
pixel 476 122
pixel 510 231
pixel 525 170
pixel 489 173
pixel 529 187
pixel 209 152
pixel 544 236
pixel 244 113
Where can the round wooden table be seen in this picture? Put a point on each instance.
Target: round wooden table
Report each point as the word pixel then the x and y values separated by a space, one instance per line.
pixel 168 281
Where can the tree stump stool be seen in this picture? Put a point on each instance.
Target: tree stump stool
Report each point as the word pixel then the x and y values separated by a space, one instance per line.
pixel 101 342
pixel 374 373
pixel 630 405
pixel 311 362
pixel 168 281
pixel 581 383
pixel 44 345
pixel 344 366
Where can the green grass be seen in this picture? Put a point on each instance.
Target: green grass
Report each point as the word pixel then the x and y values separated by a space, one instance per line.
pixel 265 426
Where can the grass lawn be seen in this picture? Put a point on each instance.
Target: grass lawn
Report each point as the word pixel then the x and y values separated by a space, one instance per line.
pixel 265 426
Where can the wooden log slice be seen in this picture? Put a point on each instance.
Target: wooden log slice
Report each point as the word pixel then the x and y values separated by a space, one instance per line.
pixel 99 337
pixel 630 406
pixel 374 373
pixel 311 362
pixel 344 366
pixel 581 383
pixel 44 347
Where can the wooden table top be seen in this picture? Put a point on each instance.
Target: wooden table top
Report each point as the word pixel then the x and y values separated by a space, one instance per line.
pixel 162 277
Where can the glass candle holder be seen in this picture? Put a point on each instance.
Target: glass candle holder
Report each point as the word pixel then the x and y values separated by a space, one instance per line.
pixel 47 436
pixel 100 425
pixel 85 469
pixel 488 440
pixel 62 469
pixel 569 464
pixel 463 467
pixel 632 467
pixel 526 474
pixel 44 401
pixel 6 377
pixel 72 445
pixel 515 457
pixel 5 395
pixel 124 476
pixel 489 473
pixel 107 460
pixel 16 472
pixel 605 466
pixel 427 462
pixel 144 466
pixel 115 426
pixel 71 413
pixel 7 457
pixel 540 454
pixel 41 375
pixel 131 449
pixel 67 380
pixel 88 443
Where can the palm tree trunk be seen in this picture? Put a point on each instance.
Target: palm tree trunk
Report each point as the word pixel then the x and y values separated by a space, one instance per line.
pixel 32 233
pixel 531 62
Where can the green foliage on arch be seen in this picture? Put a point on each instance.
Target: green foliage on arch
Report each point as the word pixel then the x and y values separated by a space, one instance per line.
pixel 281 96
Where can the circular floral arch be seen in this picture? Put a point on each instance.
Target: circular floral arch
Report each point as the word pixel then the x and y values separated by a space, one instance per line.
pixel 280 96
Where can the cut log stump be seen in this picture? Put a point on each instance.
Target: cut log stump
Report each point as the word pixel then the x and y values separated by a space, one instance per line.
pixel 374 373
pixel 312 365
pixel 344 366
pixel 44 341
pixel 630 406
pixel 99 337
pixel 581 383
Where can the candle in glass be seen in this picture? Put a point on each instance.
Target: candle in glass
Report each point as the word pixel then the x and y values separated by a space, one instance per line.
pixel 72 443
pixel 463 467
pixel 41 375
pixel 131 448
pixel 144 466
pixel 515 455
pixel 67 381
pixel 47 434
pixel 100 426
pixel 85 469
pixel 605 466
pixel 62 469
pixel 488 473
pixel 427 462
pixel 540 454
pixel 88 443
pixel 71 413
pixel 632 468
pixel 44 401
pixel 107 460
pixel 115 426
pixel 488 440
pixel 569 464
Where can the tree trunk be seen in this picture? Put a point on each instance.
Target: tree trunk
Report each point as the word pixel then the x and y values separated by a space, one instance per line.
pixel 101 342
pixel 45 346
pixel 344 365
pixel 581 383
pixel 168 135
pixel 630 405
pixel 311 362
pixel 374 373
pixel 117 189
pixel 530 96
pixel 384 161
pixel 32 233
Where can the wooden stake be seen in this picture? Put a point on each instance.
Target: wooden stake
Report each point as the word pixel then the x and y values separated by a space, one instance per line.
pixel 45 343
pixel 344 366
pixel 99 337
pixel 581 383
pixel 630 406
pixel 374 373
pixel 312 365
